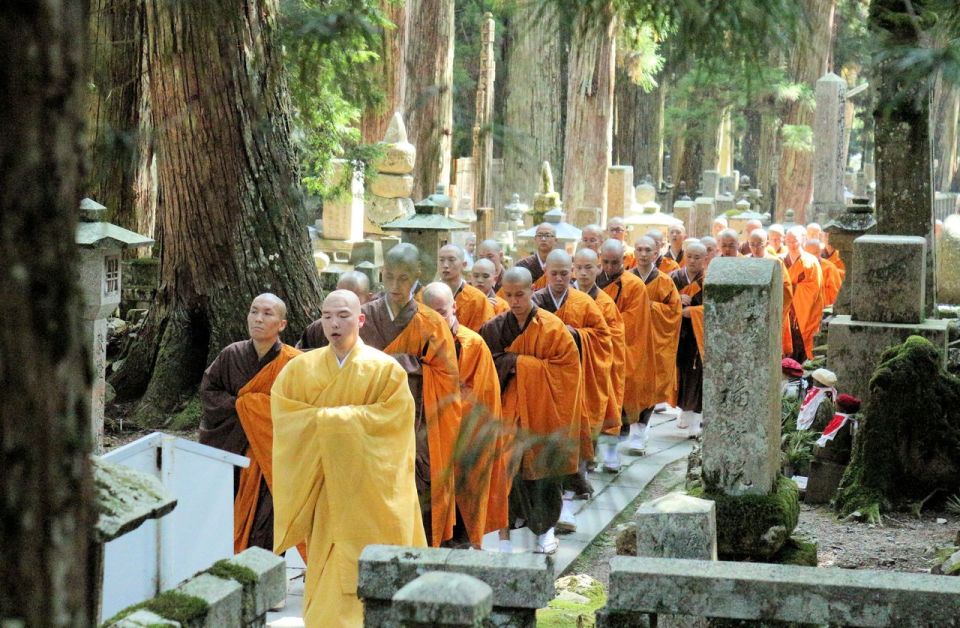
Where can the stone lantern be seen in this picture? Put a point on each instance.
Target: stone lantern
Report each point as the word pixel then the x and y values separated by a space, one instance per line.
pixel 428 229
pixel 100 246
pixel 855 221
pixel 515 211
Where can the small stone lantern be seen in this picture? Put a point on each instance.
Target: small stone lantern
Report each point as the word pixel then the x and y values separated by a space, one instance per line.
pixel 515 211
pixel 428 229
pixel 100 246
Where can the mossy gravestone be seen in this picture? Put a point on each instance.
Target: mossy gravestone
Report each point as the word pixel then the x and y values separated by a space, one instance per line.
pixel 908 441
pixel 756 508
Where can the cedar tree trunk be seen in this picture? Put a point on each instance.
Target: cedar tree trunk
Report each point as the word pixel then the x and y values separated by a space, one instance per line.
pixel 638 134
pixel 47 513
pixel 374 121
pixel 232 213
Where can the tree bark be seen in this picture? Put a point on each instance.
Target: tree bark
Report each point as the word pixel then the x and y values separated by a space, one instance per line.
pixel 588 138
pixel 374 121
pixel 946 116
pixel 806 63
pixel 534 97
pixel 902 149
pixel 638 130
pixel 48 516
pixel 429 91
pixel 232 213
pixel 122 175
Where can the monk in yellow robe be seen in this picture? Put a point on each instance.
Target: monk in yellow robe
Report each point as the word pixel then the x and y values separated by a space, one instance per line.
pixel 690 349
pixel 586 269
pixel 483 277
pixel 235 395
pixel 759 248
pixel 545 238
pixel 831 274
pixel 665 320
pixel 585 322
pixel 420 340
pixel 482 487
pixel 640 381
pixel 662 262
pixel 806 309
pixel 344 452
pixel 473 308
pixel 617 230
pixel 539 370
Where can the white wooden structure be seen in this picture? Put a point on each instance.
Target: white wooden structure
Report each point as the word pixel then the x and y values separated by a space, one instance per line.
pixel 163 552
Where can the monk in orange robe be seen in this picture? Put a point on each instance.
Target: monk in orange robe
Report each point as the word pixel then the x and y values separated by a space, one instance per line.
pixel 482 487
pixel 586 324
pixel 617 230
pixel 420 340
pixel 665 264
pixel 591 237
pixel 357 283
pixel 640 380
pixel 759 248
pixel 235 395
pixel 539 370
pixel 483 277
pixel 586 269
pixel 806 309
pixel 833 255
pixel 492 251
pixel 473 308
pixel 545 237
pixel 675 236
pixel 690 348
pixel 831 274
pixel 775 240
pixel 665 320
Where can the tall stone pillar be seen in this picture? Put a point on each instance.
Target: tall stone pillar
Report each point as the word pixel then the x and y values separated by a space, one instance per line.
pixel 829 148
pixel 619 191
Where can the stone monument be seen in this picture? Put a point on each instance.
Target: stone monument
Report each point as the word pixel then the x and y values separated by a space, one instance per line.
pixel 830 150
pixel 390 191
pixel 428 229
pixel 855 221
pixel 619 191
pixel 546 198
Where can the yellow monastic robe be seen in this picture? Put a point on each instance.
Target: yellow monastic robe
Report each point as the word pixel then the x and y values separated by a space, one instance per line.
pixel 343 456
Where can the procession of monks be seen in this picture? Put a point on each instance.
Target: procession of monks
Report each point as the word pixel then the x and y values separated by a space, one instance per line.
pixel 437 413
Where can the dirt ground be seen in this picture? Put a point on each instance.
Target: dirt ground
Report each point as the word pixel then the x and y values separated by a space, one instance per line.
pixel 902 543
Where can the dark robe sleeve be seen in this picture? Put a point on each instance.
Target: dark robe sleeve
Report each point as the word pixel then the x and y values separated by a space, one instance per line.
pixel 499 333
pixel 219 425
pixel 312 337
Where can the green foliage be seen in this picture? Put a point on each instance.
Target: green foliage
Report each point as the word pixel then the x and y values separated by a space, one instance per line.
pixel 789 410
pixel 797 552
pixel 638 51
pixel 797 446
pixel 953 504
pixel 171 605
pixel 797 137
pixel 189 417
pixel 561 613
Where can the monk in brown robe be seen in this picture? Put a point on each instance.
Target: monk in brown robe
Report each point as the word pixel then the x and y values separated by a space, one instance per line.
pixel 759 248
pixel 586 269
pixel 235 395
pixel 539 370
pixel 831 274
pixel 483 277
pixel 689 283
pixel 482 487
pixel 752 225
pixel 729 244
pixel 665 321
pixel 617 230
pixel 640 381
pixel 676 234
pixel 357 283
pixel 473 308
pixel 591 237
pixel 663 263
pixel 493 251
pixel 545 238
pixel 420 340
pixel 586 324
pixel 806 309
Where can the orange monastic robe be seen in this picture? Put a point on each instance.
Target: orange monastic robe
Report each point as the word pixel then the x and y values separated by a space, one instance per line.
pixel 473 308
pixel 630 296
pixel 787 339
pixel 629 258
pixel 666 311
pixel 835 258
pixel 832 278
pixel 482 486
pixel 253 409
pixel 581 313
pixel 667 265
pixel 499 305
pixel 611 418
pixel 428 337
pixel 541 366
pixel 807 305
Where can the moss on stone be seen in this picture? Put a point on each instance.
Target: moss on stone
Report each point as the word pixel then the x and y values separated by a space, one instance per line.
pixel 755 526
pixel 796 552
pixel 189 417
pixel 232 571
pixel 171 605
pixel 568 609
pixel 908 442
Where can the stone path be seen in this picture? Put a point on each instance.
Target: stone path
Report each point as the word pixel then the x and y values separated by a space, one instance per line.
pixel 612 493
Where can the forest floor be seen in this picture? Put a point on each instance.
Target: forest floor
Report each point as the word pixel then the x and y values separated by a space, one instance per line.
pixel 903 543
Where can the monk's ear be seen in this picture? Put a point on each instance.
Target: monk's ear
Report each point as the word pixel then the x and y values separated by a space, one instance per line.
pixel 361 319
pixel 283 325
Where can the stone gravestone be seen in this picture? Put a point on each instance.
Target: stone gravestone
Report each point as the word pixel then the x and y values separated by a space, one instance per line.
pixel 743 305
pixel 830 152
pixel 343 213
pixel 390 191
pixel 887 305
pixel 706 211
pixel 843 230
pixel 948 261
pixel 685 212
pixel 619 191
pixel 711 183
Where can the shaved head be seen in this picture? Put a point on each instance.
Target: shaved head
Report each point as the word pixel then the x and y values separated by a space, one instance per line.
pixel 617 228
pixel 794 239
pixel 646 251
pixel 438 297
pixel 812 247
pixel 752 224
pixel 483 275
pixel 342 298
pixel 696 256
pixel 727 240
pixel 403 254
pixel 586 267
pixel 586 255
pixel 591 237
pixel 493 251
pixel 266 318
pixel 401 271
pixel 277 302
pixel 357 283
pixel 545 238
pixel 559 256
pixel 341 319
pixel 518 292
pixel 518 275
pixel 453 249
pixel 559 271
pixel 612 246
pixel 451 260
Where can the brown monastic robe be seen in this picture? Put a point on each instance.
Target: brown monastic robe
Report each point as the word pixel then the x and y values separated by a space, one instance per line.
pixel 689 395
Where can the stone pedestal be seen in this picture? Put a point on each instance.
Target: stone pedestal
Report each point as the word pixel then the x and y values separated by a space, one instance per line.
pixel 587 216
pixel 743 305
pixel 697 216
pixel 443 599
pixel 677 526
pixel 888 279
pixel 619 191
pixel 856 221
pixel 706 212
pixel 855 348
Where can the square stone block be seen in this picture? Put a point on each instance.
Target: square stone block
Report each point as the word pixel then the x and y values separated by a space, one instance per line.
pixel 888 281
pixel 677 526
pixel 855 348
pixel 270 589
pixel 224 597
